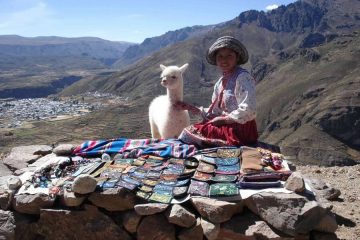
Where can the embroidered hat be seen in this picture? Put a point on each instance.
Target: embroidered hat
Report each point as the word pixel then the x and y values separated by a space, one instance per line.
pixel 231 43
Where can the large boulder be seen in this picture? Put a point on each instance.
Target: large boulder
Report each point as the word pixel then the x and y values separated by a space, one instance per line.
pixel 131 221
pixel 291 213
pixel 194 233
pixel 211 230
pixel 64 149
pixel 88 224
pixel 180 216
pixel 4 170
pixel 31 204
pixel 114 199
pixel 7 225
pixel 150 208
pixel 84 184
pixel 216 211
pixel 154 227
pixel 6 197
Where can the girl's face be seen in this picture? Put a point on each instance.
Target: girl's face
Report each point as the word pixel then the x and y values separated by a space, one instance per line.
pixel 226 59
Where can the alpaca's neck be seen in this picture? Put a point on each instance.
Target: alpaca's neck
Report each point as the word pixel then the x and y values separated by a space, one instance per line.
pixel 176 94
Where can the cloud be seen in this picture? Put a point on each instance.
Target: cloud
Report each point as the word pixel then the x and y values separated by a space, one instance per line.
pixel 35 14
pixel 272 7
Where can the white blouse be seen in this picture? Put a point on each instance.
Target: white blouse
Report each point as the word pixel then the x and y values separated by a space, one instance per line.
pixel 238 101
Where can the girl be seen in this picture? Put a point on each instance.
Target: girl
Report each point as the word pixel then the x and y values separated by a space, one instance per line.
pixel 230 119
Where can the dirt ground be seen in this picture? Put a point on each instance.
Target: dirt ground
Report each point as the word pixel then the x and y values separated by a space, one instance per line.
pixel 347 206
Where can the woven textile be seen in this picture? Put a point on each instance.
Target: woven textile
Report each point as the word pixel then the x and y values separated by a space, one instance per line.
pixel 132 148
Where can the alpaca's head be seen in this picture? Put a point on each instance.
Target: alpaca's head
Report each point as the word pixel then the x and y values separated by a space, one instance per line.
pixel 171 76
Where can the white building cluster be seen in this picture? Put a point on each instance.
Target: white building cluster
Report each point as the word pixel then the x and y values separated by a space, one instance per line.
pixel 13 113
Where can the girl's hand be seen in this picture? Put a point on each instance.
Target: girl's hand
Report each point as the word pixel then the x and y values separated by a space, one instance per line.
pixel 221 120
pixel 186 106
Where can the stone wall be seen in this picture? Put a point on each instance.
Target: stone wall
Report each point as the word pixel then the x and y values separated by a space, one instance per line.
pixel 117 213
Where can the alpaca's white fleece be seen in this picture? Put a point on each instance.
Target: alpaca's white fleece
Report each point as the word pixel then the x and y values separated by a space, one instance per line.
pixel 165 120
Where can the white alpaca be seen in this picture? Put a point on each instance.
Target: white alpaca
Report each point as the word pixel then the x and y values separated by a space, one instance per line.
pixel 165 120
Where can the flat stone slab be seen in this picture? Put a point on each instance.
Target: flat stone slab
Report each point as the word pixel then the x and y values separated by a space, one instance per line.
pixel 20 157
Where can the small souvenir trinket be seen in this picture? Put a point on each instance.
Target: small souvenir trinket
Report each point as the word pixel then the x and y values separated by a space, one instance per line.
pixel 138 174
pixel 210 160
pixel 158 158
pixel 143 195
pixel 138 162
pixel 126 185
pixel 128 179
pixel 101 179
pixel 226 161
pixel 258 185
pixel 128 161
pixel 180 191
pixel 117 156
pixel 202 176
pixel 101 169
pixel 250 159
pixel 109 173
pixel 109 184
pixel 176 167
pixel 188 172
pixel 177 161
pixel 224 178
pixel 105 157
pixel 146 188
pixel 115 175
pixel 150 182
pixel 170 171
pixel 228 152
pixel 169 177
pixel 205 167
pixel 261 177
pixel 162 198
pixel 153 174
pixel 54 190
pixel 141 170
pixel 191 163
pixel 129 169
pixel 223 190
pixel 183 182
pixel 168 183
pixel 99 184
pixel 160 188
pixel 158 168
pixel 211 154
pixel 79 170
pixel 106 173
pixel 233 169
pixel 198 188
pixel 117 167
pixel 153 162
pixel 95 167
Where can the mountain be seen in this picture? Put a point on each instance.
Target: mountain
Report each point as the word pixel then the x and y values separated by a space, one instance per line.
pixel 305 58
pixel 39 66
pixel 150 45
pixel 102 50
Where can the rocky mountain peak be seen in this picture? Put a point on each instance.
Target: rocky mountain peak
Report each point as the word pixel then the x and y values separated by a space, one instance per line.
pixel 295 17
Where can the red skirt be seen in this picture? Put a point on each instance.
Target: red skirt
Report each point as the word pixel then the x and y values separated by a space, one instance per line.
pixel 208 135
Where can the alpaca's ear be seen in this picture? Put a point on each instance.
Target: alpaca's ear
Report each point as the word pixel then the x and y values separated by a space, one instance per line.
pixel 162 67
pixel 184 67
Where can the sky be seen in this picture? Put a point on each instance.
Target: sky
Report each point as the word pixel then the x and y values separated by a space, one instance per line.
pixel 118 20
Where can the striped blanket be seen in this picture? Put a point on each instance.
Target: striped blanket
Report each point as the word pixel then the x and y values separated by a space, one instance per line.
pixel 132 148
